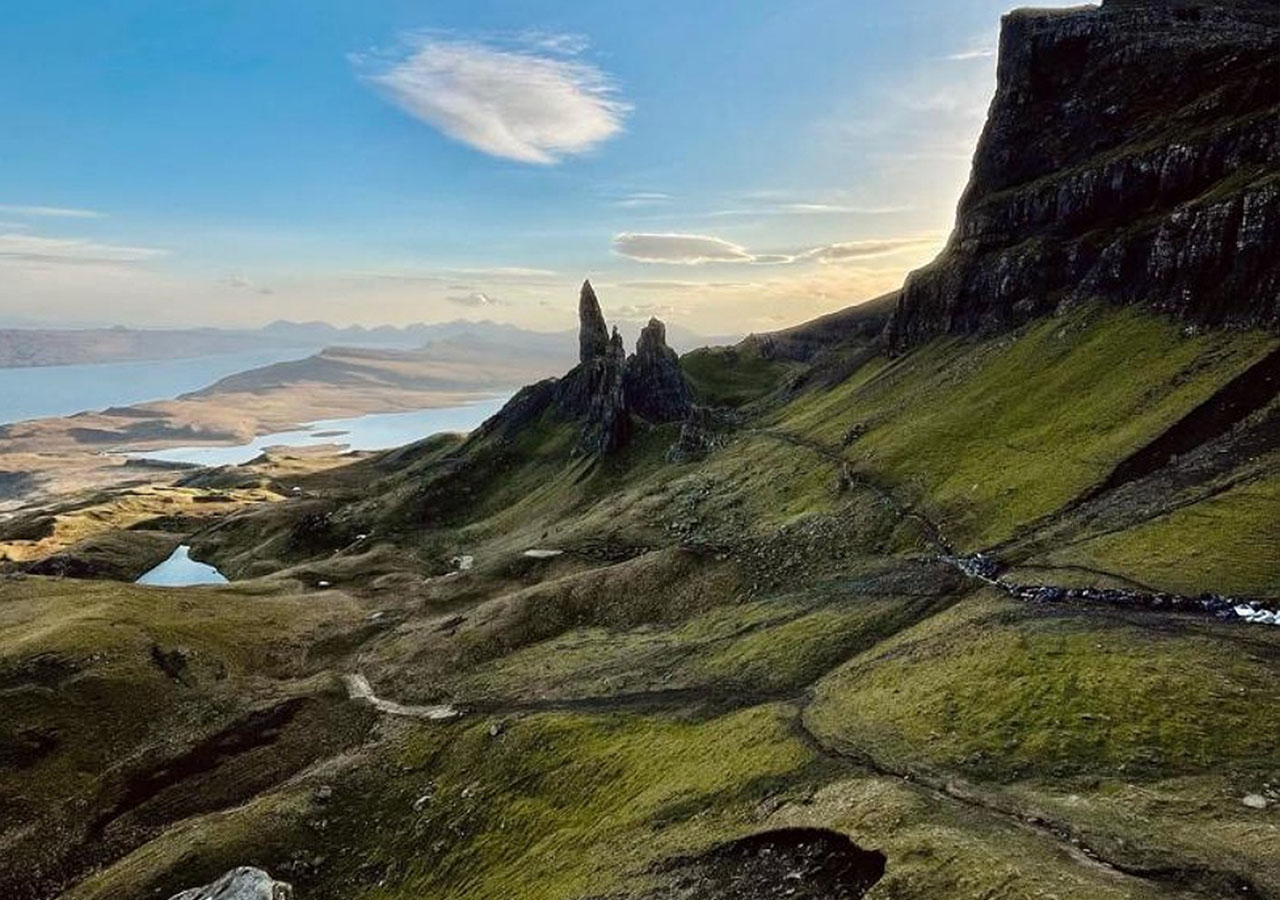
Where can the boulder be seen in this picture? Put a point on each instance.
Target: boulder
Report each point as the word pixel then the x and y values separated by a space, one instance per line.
pixel 245 883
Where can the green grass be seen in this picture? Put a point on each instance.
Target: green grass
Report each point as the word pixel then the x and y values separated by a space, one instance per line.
pixel 115 699
pixel 556 806
pixel 993 435
pixel 732 376
pixel 1025 703
pixel 991 689
pixel 763 646
pixel 1229 543
pixel 793 653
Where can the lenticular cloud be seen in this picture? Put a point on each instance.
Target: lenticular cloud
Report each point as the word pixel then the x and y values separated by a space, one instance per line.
pixel 526 106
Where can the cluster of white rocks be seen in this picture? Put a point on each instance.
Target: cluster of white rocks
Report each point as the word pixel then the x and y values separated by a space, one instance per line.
pixel 1255 615
pixel 988 570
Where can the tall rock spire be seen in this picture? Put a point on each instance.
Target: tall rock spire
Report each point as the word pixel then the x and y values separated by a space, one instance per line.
pixel 656 387
pixel 593 334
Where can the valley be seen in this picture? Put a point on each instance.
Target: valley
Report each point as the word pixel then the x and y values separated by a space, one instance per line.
pixel 972 590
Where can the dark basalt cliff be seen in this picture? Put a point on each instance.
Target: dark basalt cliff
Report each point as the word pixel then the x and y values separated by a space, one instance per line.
pixel 1132 154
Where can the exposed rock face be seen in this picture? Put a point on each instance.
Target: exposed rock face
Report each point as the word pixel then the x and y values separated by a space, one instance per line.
pixel 656 387
pixel 593 334
pixel 1132 154
pixel 600 383
pixel 606 389
pixel 240 884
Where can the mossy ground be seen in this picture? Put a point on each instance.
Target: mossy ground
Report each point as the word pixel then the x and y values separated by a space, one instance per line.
pixel 750 641
pixel 991 436
pixel 1003 692
pixel 1230 541
pixel 733 376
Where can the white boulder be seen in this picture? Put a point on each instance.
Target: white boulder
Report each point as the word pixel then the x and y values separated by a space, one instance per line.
pixel 245 883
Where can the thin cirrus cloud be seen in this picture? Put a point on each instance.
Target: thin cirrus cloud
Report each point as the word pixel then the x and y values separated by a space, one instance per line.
pixel 982 46
pixel 852 250
pixel 30 248
pixel 640 199
pixel 475 300
pixel 54 212
pixel 973 53
pixel 696 249
pixel 798 209
pixel 532 103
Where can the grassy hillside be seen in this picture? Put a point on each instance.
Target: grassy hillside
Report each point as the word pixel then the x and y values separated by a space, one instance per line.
pixel 989 436
pixel 761 640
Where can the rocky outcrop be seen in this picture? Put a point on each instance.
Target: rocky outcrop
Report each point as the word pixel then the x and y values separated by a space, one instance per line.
pixel 240 884
pixel 597 394
pixel 1132 154
pixel 593 333
pixel 655 386
pixel 607 391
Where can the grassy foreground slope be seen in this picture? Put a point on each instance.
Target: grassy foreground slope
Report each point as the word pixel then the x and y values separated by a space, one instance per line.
pixel 756 641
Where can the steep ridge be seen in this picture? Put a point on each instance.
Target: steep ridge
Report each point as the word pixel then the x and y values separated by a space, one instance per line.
pixel 1132 154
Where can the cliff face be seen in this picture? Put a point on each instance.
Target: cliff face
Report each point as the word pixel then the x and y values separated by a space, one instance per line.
pixel 1132 154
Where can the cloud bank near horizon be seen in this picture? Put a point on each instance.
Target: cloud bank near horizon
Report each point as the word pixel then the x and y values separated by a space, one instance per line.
pixel 699 249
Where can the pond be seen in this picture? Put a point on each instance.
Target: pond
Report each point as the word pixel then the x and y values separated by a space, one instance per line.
pixel 180 570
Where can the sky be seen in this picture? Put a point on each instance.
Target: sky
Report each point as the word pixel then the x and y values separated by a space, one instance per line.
pixel 730 165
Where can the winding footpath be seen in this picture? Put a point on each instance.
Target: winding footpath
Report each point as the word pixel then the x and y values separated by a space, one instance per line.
pixel 359 689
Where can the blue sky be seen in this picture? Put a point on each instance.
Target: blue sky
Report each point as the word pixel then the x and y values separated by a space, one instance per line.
pixel 733 166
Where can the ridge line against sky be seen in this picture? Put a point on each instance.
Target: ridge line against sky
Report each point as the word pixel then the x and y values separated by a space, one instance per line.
pixel 738 166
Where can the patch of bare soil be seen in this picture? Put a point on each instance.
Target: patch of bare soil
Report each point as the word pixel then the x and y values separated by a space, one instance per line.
pixel 791 863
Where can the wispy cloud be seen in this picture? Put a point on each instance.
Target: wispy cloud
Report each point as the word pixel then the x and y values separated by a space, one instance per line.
pixel 448 275
pixel 981 47
pixel 696 249
pixel 975 53
pixel 672 285
pixel 851 250
pixel 640 199
pixel 554 42
pixel 642 310
pixel 680 249
pixel 34 249
pixel 55 212
pixel 809 209
pixel 530 103
pixel 241 283
pixel 475 300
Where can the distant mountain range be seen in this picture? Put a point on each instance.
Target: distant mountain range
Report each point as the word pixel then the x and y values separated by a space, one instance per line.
pixel 22 347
